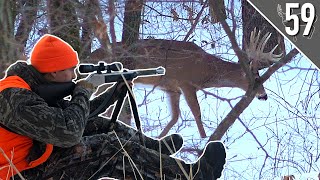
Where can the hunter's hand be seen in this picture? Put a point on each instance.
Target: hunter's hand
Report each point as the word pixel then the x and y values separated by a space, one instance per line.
pixel 92 82
pixel 96 79
pixel 123 85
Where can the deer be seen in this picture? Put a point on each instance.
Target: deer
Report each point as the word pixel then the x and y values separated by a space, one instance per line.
pixel 289 177
pixel 188 69
pixel 290 23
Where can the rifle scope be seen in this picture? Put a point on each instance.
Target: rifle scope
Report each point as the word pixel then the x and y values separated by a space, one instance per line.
pixel 87 68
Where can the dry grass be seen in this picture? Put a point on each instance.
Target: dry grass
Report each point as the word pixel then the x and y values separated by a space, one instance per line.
pixel 12 166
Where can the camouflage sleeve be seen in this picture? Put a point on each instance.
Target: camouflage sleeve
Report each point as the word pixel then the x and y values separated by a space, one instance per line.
pixel 28 114
pixel 97 101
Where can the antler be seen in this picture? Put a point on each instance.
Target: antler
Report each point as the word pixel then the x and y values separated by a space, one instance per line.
pixel 279 11
pixel 258 58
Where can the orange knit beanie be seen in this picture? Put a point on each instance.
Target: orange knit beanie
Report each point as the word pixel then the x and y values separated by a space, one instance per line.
pixel 51 54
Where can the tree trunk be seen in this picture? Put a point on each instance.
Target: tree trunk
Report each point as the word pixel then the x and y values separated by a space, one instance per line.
pixel 220 14
pixel 63 22
pixel 28 17
pixel 87 29
pixel 132 21
pixel 130 34
pixel 8 53
pixel 131 25
pixel 252 19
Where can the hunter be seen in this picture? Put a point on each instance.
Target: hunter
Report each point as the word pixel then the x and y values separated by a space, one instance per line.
pixel 54 138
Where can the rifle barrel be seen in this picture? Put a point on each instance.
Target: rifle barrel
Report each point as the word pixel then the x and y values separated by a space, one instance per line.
pixel 130 75
pixel 151 72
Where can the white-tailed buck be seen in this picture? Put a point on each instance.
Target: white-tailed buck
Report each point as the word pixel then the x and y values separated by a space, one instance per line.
pixel 188 69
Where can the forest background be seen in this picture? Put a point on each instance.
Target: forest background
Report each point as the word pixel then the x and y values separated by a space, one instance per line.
pixel 264 139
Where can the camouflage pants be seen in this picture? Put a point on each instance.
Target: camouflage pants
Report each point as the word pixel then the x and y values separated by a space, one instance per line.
pixel 100 155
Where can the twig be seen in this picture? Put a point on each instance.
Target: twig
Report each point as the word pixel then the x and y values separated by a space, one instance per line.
pixel 219 97
pixel 163 15
pixel 254 137
pixel 126 154
pixel 161 158
pixel 144 101
pixel 178 162
pixel 11 164
pixel 196 21
pixel 110 157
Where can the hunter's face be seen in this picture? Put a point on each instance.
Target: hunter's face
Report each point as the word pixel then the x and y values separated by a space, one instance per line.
pixel 64 76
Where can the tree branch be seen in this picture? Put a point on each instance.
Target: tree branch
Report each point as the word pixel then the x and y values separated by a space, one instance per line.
pixel 112 14
pixel 229 120
pixel 196 21
pixel 278 65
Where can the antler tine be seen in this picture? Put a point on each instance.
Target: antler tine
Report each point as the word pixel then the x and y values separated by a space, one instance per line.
pixel 264 41
pixel 252 34
pixel 275 57
pixel 254 39
pixel 257 39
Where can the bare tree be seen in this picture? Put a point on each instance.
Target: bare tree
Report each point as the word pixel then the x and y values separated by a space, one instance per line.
pixel 13 43
pixel 63 22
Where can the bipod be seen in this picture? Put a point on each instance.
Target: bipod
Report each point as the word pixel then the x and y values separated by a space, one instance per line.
pixel 122 95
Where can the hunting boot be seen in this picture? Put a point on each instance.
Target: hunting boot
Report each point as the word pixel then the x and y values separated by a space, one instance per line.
pixel 211 163
pixel 169 144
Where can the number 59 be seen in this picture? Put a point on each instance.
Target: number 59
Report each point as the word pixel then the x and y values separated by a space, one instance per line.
pixel 302 19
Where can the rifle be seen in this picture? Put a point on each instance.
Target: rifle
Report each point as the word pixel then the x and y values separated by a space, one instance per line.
pixel 110 73
pixel 52 92
pixel 114 72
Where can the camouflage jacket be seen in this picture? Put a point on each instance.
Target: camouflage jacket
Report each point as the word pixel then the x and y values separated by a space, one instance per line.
pixel 26 113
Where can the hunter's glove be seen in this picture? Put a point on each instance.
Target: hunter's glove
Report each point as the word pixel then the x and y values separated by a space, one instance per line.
pixel 91 82
pixel 96 79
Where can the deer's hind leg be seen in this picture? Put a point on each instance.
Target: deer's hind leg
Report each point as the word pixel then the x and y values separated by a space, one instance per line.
pixel 174 98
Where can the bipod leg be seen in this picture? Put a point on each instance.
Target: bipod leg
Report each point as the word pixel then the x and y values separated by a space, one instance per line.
pixel 117 109
pixel 136 116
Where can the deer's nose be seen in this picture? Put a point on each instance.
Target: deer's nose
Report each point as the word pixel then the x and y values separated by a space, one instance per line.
pixel 263 97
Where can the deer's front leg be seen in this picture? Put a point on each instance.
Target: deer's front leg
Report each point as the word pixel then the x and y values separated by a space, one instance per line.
pixel 190 94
